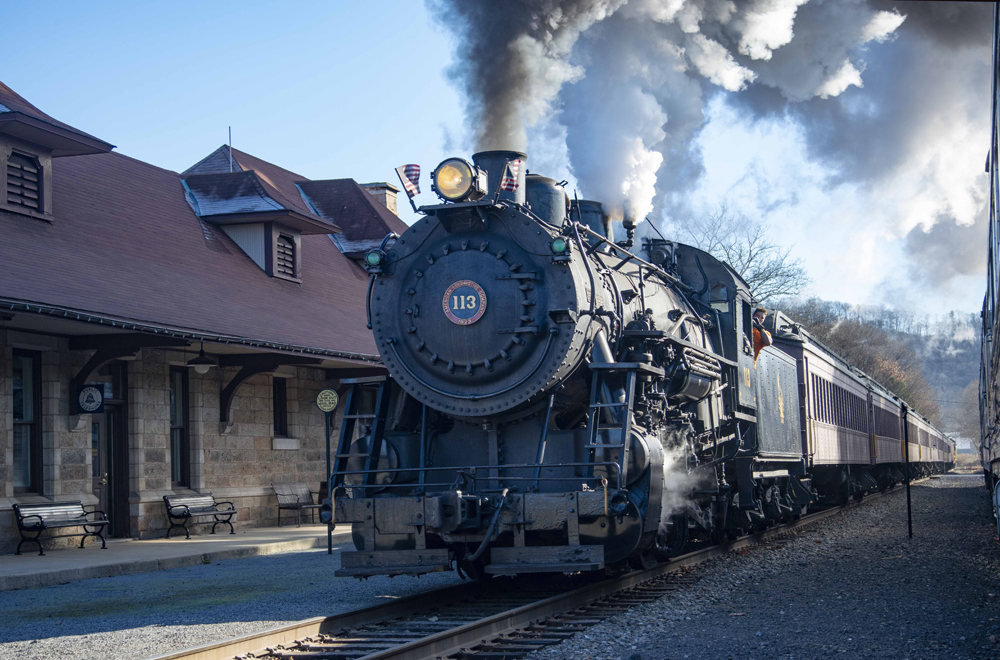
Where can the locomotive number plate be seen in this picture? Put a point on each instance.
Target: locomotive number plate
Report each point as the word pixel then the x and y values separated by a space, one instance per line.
pixel 464 302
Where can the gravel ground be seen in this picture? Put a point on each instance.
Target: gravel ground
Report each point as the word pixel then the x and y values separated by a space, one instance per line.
pixel 856 587
pixel 138 616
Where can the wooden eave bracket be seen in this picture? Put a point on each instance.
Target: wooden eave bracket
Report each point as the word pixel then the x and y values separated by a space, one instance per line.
pixel 109 347
pixel 251 365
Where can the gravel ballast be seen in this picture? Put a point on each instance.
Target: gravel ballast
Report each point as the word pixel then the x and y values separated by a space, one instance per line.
pixel 139 616
pixel 851 586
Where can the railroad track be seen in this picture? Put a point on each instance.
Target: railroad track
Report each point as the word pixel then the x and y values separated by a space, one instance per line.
pixel 498 620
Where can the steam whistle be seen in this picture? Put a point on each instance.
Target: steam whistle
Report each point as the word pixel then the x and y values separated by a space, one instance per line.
pixel 629 224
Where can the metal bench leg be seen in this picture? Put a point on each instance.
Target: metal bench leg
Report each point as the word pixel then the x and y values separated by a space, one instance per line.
pixel 298 517
pixel 25 539
pixel 279 515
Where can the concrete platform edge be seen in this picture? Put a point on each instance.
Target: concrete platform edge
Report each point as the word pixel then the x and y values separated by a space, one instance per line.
pixel 52 578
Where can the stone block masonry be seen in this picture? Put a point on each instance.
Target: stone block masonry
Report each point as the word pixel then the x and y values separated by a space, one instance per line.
pixel 236 464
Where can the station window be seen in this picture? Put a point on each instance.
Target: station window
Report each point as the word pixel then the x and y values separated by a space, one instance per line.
pixel 180 452
pixel 27 400
pixel 280 408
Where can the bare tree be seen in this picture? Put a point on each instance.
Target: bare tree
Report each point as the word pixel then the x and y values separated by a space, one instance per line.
pixel 746 246
pixel 968 414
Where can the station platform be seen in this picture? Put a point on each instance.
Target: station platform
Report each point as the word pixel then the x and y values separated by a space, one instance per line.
pixel 128 556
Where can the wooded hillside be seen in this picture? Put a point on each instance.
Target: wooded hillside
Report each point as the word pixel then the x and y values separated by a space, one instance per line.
pixel 931 362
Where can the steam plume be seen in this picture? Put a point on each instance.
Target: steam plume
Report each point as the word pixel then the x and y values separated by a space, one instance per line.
pixel 891 99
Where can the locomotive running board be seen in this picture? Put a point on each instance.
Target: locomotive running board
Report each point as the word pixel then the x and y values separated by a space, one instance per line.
pixel 546 559
pixel 393 562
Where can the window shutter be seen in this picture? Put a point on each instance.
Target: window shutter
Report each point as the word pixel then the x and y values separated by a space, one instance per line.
pixel 285 262
pixel 23 181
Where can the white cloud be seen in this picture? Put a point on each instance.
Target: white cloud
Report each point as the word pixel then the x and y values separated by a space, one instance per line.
pixel 882 25
pixel 713 61
pixel 767 26
pixel 840 80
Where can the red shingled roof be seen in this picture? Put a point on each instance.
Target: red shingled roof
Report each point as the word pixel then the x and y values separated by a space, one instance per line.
pixel 16 103
pixel 124 242
pixel 361 218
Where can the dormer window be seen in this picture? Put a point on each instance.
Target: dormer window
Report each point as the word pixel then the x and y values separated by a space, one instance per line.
pixel 24 181
pixel 285 256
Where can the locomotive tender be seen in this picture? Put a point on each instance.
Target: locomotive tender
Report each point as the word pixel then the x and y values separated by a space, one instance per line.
pixel 560 402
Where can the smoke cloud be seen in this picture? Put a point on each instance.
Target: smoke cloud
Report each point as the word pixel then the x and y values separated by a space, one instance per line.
pixel 513 58
pixel 890 98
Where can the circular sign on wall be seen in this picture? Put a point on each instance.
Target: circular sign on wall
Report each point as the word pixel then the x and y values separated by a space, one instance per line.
pixel 90 398
pixel 464 302
pixel 327 400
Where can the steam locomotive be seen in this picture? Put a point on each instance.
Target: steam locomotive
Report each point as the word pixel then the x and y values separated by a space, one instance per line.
pixel 562 401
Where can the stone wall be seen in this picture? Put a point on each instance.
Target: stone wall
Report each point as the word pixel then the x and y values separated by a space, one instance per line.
pixel 65 439
pixel 6 423
pixel 237 463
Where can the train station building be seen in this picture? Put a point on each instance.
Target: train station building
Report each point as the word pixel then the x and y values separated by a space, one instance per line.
pixel 167 333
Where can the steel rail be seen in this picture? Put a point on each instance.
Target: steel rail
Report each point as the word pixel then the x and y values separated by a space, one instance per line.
pixel 256 642
pixel 485 629
pixel 453 641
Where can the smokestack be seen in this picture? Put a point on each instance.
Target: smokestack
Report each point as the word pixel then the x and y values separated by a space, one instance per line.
pixel 493 162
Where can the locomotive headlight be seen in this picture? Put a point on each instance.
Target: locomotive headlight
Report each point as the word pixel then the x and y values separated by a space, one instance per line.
pixel 455 180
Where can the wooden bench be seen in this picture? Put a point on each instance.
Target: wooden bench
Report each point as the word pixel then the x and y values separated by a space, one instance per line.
pixel 36 518
pixel 296 497
pixel 183 510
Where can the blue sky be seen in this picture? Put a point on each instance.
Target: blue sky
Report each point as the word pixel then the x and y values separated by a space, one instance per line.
pixel 349 89
pixel 327 89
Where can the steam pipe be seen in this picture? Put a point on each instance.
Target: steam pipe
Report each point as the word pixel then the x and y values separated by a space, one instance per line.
pixel 489 530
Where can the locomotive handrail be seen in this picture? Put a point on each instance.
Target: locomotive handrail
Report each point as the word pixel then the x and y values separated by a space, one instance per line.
pixel 471 470
pixel 656 269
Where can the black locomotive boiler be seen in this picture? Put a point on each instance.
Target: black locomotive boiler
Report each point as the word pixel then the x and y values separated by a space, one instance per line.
pixel 559 402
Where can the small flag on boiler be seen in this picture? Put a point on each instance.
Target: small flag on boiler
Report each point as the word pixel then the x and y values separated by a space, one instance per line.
pixel 409 176
pixel 509 181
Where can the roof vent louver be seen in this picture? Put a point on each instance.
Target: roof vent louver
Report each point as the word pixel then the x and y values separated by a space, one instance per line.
pixel 24 181
pixel 285 256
